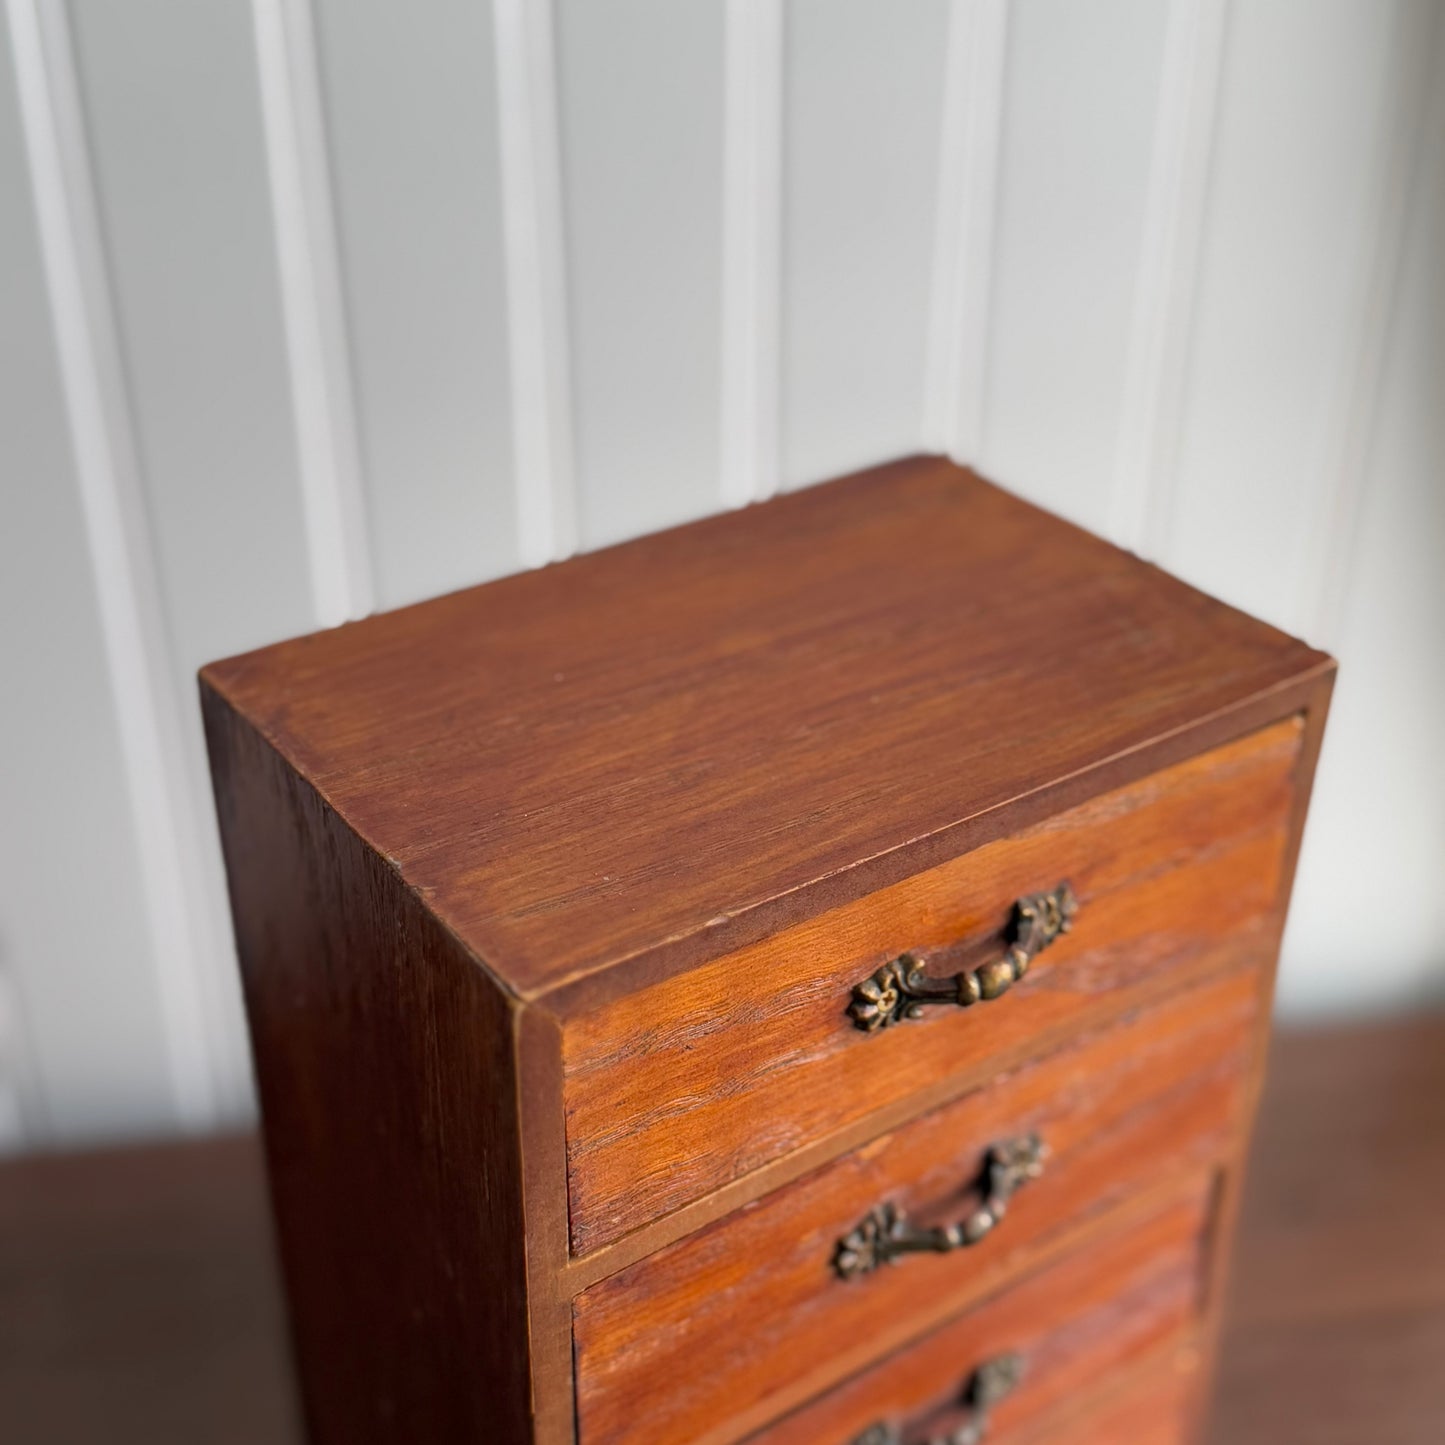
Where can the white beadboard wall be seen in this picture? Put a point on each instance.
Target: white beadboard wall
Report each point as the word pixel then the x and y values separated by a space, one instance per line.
pixel 317 306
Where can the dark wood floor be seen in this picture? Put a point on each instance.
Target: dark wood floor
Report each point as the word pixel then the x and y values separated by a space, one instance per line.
pixel 138 1303
pixel 1336 1330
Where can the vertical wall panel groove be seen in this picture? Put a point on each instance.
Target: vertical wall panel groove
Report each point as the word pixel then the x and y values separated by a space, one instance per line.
pixel 94 386
pixel 751 248
pixel 536 289
pixel 1294 179
pixel 1376 818
pixel 414 129
pixel 1164 296
pixel 316 333
pixel 1321 606
pixel 641 85
pixel 957 367
pixel 1081 96
pixel 861 133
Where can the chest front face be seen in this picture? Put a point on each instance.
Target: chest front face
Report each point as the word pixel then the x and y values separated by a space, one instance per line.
pixel 800 978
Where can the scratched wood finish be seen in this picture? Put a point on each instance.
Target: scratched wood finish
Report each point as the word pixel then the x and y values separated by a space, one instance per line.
pixel 756 1295
pixel 612 769
pixel 387 1079
pixel 695 1082
pixel 1074 1325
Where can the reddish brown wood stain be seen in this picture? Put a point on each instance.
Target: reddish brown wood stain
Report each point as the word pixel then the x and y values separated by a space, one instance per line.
pixel 1147 1098
pixel 678 1089
pixel 1101 1309
pixel 620 755
pixel 566 879
pixel 388 1087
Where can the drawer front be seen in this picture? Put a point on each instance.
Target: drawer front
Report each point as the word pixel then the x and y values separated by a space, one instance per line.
pixel 784 1298
pixel 691 1085
pixel 1160 1406
pixel 1036 1354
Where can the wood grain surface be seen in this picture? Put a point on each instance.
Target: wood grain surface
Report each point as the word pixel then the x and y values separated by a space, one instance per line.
pixel 139 1299
pixel 651 755
pixel 756 1295
pixel 1157 1407
pixel 1336 1312
pixel 550 895
pixel 700 1080
pixel 386 1068
pixel 1073 1326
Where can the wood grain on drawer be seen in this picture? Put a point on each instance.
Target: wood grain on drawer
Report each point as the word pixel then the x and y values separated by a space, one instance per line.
pixel 1160 1405
pixel 690 1085
pixel 1074 1327
pixel 748 1316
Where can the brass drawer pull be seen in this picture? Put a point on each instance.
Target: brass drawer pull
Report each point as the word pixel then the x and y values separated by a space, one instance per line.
pixel 985 1388
pixel 900 989
pixel 886 1233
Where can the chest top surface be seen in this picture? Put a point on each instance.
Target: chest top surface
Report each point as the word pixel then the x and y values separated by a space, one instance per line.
pixel 659 750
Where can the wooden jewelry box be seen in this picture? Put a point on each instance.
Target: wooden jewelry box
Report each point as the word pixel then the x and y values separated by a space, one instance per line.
pixel 799 978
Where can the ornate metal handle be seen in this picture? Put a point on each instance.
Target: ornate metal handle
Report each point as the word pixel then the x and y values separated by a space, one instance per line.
pixel 900 989
pixel 985 1388
pixel 885 1232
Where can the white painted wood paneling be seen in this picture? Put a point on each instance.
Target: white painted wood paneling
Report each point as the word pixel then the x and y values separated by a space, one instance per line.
pixel 85 1045
pixel 317 343
pixel 864 122
pixel 752 246
pixel 641 95
pixel 1155 369
pixel 964 225
pixel 540 345
pixel 411 101
pixel 1369 914
pixel 192 258
pixel 1407 143
pixel 315 303
pixel 1298 165
pixel 193 263
pixel 1079 120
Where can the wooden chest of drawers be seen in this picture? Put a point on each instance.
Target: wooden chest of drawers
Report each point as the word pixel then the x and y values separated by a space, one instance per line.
pixel 798 978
